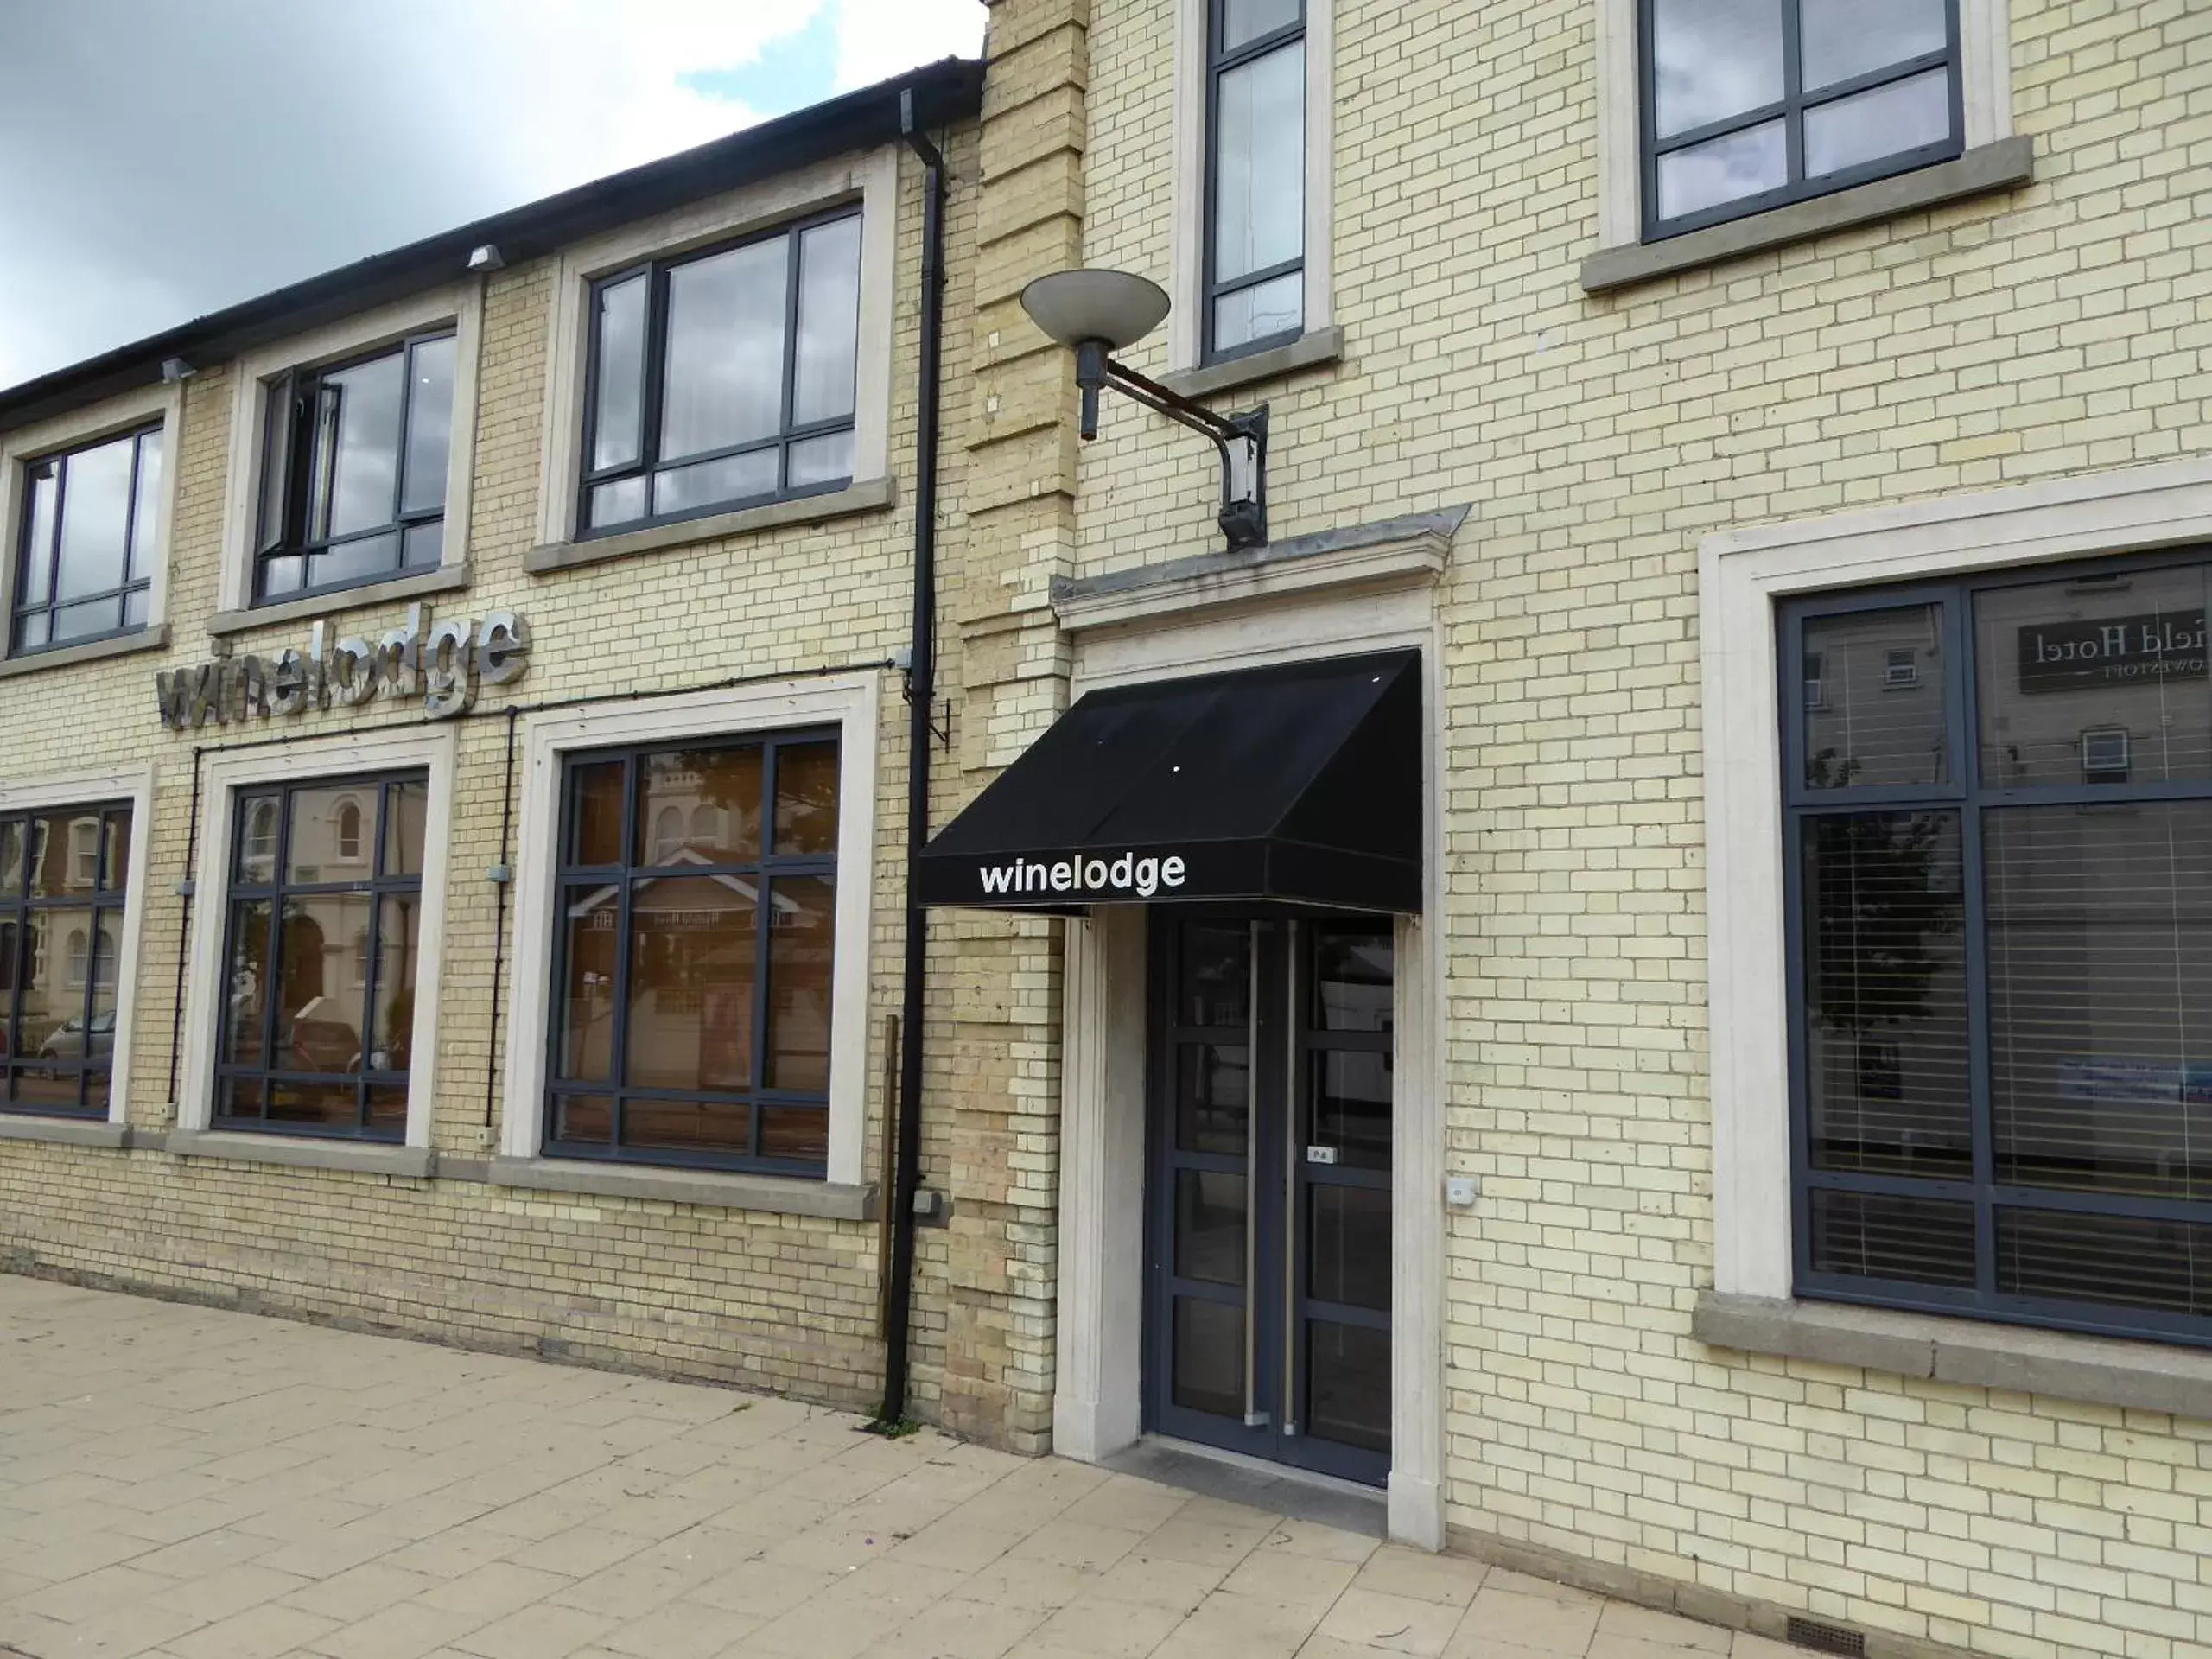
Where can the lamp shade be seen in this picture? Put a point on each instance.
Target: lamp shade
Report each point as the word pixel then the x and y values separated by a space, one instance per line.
pixel 1115 306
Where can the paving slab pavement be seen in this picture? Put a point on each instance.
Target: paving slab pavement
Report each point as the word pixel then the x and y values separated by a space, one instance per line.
pixel 182 1482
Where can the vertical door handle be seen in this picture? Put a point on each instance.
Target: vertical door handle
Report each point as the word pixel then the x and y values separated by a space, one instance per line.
pixel 1294 1150
pixel 1254 1417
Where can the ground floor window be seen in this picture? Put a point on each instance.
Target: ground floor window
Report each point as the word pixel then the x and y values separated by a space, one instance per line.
pixel 692 954
pixel 322 932
pixel 1998 798
pixel 63 871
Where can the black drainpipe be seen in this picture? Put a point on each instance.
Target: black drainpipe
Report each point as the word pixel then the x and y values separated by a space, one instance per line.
pixel 921 688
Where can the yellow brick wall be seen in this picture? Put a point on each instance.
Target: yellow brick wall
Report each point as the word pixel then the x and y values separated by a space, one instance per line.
pixel 2063 328
pixel 775 1301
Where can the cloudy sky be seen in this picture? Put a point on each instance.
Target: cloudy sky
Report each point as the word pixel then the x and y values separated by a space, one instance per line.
pixel 168 157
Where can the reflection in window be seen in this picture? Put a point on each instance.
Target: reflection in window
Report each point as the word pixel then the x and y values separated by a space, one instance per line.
pixel 87 542
pixel 723 378
pixel 319 972
pixel 693 975
pixel 1732 125
pixel 1870 716
pixel 62 877
pixel 1255 240
pixel 354 457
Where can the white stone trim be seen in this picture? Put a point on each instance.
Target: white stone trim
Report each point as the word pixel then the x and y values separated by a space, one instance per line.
pixel 849 702
pixel 1416 560
pixel 1742 574
pixel 1186 286
pixel 73 431
pixel 871 178
pixel 341 756
pixel 460 303
pixel 135 784
pixel 1100 1322
pixel 1984 73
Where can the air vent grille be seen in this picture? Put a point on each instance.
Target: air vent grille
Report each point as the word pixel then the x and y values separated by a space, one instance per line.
pixel 1826 1638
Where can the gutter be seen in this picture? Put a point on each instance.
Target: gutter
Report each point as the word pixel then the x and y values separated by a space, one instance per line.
pixel 921 685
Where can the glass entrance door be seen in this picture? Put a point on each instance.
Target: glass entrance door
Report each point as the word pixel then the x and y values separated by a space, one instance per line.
pixel 1268 1243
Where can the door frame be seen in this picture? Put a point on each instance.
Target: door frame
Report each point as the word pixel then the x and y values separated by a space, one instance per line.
pixel 1098 1357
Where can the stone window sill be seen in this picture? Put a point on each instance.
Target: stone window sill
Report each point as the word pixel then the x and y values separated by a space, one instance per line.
pixel 1314 351
pixel 782 1195
pixel 2004 165
pixel 450 579
pixel 2088 1370
pixel 869 495
pixel 152 639
pixel 357 1157
pixel 63 1131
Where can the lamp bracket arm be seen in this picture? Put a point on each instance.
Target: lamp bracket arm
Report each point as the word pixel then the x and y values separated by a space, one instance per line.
pixel 1174 406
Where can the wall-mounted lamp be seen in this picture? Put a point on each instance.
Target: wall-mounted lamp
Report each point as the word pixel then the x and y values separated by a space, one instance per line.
pixel 1097 313
pixel 486 256
pixel 174 369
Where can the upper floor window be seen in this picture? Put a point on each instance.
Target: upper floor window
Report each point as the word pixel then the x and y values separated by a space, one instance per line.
pixel 723 378
pixel 84 571
pixel 1751 104
pixel 1256 175
pixel 354 469
pixel 2001 947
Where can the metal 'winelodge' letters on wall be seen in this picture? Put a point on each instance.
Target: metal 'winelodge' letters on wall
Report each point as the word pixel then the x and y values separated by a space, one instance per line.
pixel 443 663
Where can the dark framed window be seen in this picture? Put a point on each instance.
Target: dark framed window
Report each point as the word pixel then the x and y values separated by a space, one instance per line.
pixel 722 379
pixel 320 959
pixel 2000 918
pixel 1256 175
pixel 354 469
pixel 1748 104
pixel 86 544
pixel 693 955
pixel 63 875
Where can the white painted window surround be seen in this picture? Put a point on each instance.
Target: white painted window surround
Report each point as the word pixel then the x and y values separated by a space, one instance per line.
pixel 460 303
pixel 135 785
pixel 1743 575
pixel 122 413
pixel 1985 65
pixel 340 758
pixel 1186 287
pixel 871 178
pixel 850 703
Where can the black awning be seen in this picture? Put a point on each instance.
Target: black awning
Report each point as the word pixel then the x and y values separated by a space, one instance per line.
pixel 1299 783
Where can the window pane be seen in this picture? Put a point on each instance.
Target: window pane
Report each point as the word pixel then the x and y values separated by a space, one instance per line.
pixel 404 804
pixel 1352 975
pixel 1723 169
pixel 319 984
pixel 1866 1235
pixel 286 575
pixel 134 605
pixel 1212 1097
pixel 55 873
pixel 257 823
pixel 1352 1107
pixel 1886 993
pixel 1215 979
pixel 95 519
pixel 247 974
pixel 1348 1383
pixel 1209 1364
pixel 795 1133
pixel 1844 38
pixel 621 370
pixel 2059 660
pixel 711 798
pixel 277 411
pixel 725 351
pixel 1866 126
pixel 38 542
pixel 590 918
pixel 1208 1226
pixel 618 503
pixel 806 799
pixel 83 621
pixel 804 917
pixel 1350 1247
pixel 2100 996
pixel 596 807
pixel 711 483
pixel 357 447
pixel 424 545
pixel 2166 1265
pixel 1260 163
pixel 12 842
pixel 1873 699
pixel 1714 59
pixel 430 425
pixel 317 817
pixel 829 321
pixel 583 1117
pixel 1277 306
pixel 1247 20
pixel 825 459
pixel 692 943
pixel 116 864
pixel 722 1126
pixel 146 511
pixel 359 559
pixel 387 1114
pixel 321 1105
pixel 60 952
pixel 399 935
